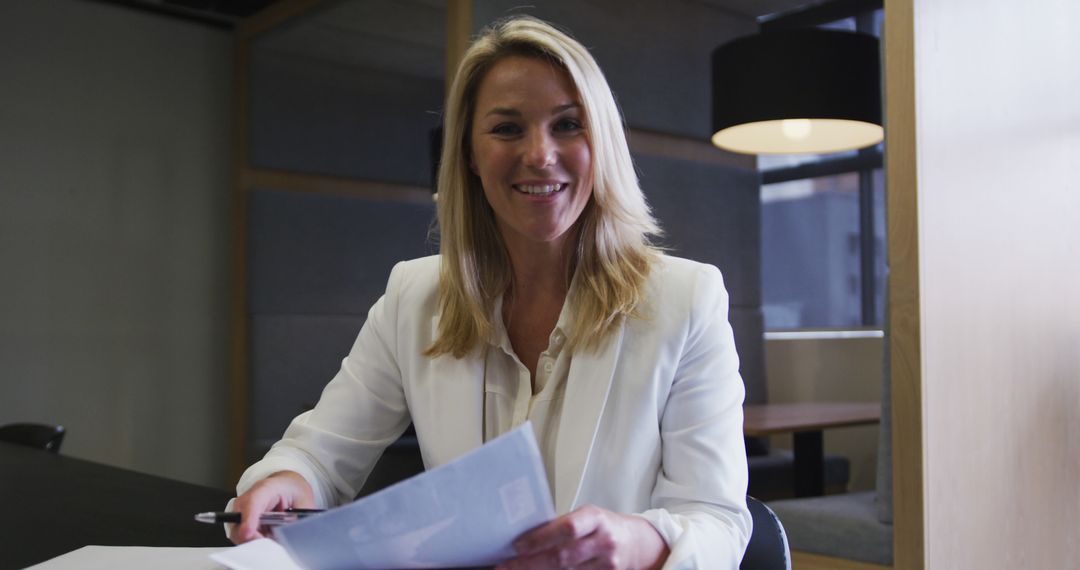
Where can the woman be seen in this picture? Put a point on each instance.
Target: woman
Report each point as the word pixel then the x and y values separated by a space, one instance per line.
pixel 547 303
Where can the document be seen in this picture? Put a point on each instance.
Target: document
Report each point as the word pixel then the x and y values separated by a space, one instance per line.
pixel 464 513
pixel 261 554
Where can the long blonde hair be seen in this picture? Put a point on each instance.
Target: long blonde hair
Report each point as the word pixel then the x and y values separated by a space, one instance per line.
pixel 614 255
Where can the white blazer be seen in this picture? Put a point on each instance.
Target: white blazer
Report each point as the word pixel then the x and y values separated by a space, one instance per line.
pixel 651 423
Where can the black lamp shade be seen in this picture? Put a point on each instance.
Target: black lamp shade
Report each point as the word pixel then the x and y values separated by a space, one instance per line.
pixel 780 82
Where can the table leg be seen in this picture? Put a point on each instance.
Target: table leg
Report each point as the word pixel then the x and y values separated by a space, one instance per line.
pixel 809 464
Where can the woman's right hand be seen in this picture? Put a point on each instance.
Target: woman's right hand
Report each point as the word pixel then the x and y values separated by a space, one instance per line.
pixel 280 491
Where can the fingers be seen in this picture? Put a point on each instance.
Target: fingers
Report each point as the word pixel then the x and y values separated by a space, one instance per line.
pixel 596 550
pixel 583 537
pixel 251 505
pixel 275 493
pixel 589 538
pixel 571 526
pixel 240 536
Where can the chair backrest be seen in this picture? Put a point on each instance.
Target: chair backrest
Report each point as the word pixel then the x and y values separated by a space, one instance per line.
pixel 41 436
pixel 768 548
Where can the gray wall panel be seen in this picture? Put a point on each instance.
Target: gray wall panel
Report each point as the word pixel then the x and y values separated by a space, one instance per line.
pixel 316 265
pixel 749 328
pixel 709 213
pixel 331 255
pixel 321 117
pixel 292 359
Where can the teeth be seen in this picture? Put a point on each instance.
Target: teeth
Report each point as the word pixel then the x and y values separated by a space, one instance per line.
pixel 541 189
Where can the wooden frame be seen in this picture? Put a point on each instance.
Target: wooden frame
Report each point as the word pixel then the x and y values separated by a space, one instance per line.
pixel 239 362
pixel 905 337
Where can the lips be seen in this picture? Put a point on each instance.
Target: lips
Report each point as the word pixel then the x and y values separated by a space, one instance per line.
pixel 539 189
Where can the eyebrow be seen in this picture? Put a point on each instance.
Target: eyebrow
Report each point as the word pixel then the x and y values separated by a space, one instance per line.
pixel 508 112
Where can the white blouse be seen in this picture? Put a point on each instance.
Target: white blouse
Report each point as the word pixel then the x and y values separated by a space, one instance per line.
pixel 509 397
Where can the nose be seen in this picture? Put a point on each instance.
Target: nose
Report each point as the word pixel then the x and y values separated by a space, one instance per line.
pixel 540 150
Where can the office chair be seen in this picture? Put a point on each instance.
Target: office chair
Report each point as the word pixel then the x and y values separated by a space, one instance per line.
pixel 768 548
pixel 41 436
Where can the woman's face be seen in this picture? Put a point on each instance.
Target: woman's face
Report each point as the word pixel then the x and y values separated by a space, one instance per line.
pixel 530 150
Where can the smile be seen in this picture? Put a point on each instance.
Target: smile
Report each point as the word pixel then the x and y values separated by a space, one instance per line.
pixel 539 189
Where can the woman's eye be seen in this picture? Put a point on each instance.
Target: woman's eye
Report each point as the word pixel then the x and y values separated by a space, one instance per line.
pixel 505 129
pixel 566 125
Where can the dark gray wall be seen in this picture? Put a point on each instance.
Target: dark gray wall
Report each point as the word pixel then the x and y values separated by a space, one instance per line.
pixel 114 193
pixel 711 213
pixel 322 117
pixel 316 265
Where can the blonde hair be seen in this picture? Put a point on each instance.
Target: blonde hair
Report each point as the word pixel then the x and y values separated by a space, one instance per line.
pixel 614 255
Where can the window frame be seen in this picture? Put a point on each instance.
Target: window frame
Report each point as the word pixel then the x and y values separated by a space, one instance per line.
pixel 864 163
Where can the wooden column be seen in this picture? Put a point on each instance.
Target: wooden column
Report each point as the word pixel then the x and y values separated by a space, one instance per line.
pixel 458 35
pixel 239 419
pixel 903 259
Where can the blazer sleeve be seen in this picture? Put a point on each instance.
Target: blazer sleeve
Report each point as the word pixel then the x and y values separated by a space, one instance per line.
pixel 699 498
pixel 361 411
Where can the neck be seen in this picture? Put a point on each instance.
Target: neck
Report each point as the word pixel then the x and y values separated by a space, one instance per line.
pixel 542 269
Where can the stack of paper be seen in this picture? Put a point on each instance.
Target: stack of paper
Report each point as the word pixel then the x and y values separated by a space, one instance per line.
pixel 464 513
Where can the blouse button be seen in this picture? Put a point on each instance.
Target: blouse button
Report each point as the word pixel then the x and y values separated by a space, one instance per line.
pixel 547 367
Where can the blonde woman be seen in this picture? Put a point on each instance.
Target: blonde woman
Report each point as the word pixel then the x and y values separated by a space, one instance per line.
pixel 546 303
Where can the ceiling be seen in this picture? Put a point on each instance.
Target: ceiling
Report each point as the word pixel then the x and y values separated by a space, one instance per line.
pixel 230 12
pixel 758 8
pixel 409 36
pixel 403 36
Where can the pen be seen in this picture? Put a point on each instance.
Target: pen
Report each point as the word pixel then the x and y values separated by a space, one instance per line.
pixel 272 518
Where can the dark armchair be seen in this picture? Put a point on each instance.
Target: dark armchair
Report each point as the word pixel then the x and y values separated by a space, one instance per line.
pixel 768 548
pixel 41 436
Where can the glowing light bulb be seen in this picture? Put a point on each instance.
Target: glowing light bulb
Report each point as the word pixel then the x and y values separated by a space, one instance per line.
pixel 796 129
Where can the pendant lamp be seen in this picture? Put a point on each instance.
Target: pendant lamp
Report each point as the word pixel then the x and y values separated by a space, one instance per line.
pixel 797 91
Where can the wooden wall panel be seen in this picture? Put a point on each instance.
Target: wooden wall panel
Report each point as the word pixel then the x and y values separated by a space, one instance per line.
pixel 903 257
pixel 998 153
pixel 459 26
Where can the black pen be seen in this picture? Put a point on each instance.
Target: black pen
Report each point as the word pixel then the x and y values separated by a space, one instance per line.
pixel 272 518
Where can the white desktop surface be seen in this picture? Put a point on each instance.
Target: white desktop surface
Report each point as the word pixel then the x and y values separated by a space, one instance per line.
pixel 122 557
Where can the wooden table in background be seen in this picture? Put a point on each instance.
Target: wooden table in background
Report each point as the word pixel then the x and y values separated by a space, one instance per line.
pixel 807 421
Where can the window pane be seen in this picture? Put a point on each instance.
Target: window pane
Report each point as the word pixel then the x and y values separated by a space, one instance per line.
pixel 777 161
pixel 810 252
pixel 881 273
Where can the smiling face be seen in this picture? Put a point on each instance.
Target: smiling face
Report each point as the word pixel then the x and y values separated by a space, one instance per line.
pixel 531 150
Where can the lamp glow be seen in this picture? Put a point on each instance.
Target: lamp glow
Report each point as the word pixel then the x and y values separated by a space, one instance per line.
pixel 816 136
pixel 797 91
pixel 796 129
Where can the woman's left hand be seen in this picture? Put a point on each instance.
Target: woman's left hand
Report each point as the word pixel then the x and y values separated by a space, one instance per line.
pixel 590 537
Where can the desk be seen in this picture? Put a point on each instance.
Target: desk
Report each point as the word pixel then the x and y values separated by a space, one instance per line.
pixel 62 503
pixel 807 421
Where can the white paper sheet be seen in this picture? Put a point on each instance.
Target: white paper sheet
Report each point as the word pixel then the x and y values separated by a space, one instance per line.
pixel 464 513
pixel 141 557
pixel 261 554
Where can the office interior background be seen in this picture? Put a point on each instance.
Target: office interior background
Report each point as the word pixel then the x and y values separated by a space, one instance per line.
pixel 134 248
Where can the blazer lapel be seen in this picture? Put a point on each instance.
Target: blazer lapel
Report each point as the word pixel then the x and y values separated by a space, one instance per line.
pixel 457 392
pixel 587 387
